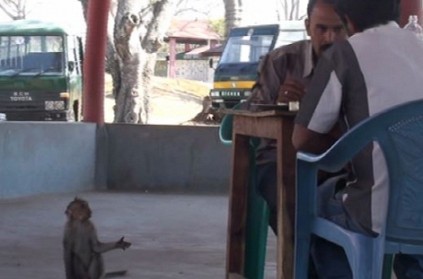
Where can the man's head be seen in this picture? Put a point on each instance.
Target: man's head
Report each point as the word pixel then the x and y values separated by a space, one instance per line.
pixel 363 14
pixel 323 25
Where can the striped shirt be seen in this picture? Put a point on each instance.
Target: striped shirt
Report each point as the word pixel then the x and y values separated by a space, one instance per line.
pixel 370 72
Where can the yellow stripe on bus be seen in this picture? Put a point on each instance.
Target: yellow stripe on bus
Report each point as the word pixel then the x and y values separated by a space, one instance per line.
pixel 233 84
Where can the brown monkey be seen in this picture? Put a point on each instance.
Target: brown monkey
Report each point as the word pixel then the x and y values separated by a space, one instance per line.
pixel 81 247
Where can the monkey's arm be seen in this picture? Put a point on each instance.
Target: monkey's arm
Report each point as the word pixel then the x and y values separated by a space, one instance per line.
pixel 102 247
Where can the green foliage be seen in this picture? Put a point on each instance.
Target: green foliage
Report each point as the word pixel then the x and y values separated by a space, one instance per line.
pixel 218 26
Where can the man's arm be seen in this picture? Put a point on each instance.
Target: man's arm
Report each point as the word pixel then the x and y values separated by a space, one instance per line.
pixel 309 141
pixel 265 89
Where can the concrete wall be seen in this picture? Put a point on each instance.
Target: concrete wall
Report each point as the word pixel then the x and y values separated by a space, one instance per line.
pixel 164 158
pixel 195 69
pixel 43 157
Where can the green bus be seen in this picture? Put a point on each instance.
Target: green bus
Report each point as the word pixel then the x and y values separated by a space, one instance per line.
pixel 40 72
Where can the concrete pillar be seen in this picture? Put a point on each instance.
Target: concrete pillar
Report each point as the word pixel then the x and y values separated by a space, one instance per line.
pixel 94 61
pixel 410 7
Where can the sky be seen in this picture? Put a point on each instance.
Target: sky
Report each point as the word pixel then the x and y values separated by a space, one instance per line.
pixel 265 11
pixel 255 11
pixel 69 11
pixel 62 11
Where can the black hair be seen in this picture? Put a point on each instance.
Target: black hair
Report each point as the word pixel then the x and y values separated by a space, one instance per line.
pixel 310 7
pixel 365 14
pixel 312 3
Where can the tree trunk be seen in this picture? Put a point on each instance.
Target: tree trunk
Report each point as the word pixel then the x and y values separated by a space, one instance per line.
pixel 162 12
pixel 135 33
pixel 233 14
pixel 84 4
pixel 138 33
pixel 129 54
pixel 112 62
pixel 290 9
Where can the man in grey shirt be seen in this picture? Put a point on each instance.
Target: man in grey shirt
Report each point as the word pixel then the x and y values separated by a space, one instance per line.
pixel 354 80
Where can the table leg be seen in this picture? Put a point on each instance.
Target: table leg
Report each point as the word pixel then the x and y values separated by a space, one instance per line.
pixel 286 201
pixel 235 260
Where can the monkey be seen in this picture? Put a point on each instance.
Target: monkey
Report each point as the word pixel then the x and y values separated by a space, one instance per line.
pixel 82 251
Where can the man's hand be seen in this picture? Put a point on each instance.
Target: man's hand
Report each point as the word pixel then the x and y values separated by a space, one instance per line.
pixel 292 90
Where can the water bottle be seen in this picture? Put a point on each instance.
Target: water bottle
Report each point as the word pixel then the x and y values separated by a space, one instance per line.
pixel 414 26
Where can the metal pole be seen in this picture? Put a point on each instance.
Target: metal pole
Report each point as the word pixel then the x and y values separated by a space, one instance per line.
pixel 94 62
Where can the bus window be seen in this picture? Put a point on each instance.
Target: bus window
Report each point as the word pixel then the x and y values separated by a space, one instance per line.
pixel 31 54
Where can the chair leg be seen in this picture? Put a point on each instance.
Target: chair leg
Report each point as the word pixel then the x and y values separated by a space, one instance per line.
pixel 256 235
pixel 387 266
pixel 302 258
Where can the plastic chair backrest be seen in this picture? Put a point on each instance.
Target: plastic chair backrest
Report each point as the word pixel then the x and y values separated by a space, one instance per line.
pixel 225 129
pixel 399 132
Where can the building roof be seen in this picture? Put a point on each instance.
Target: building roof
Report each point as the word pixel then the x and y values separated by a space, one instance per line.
pixel 192 31
pixel 33 27
pixel 201 52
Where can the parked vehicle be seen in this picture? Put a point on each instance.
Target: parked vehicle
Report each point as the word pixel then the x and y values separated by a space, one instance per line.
pixel 236 71
pixel 40 71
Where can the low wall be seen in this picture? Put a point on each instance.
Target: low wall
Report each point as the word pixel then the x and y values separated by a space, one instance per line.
pixel 44 157
pixel 163 158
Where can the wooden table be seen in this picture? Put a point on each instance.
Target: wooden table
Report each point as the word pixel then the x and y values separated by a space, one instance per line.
pixel 276 125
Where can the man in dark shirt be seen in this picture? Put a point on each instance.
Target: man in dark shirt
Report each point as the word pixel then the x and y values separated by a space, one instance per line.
pixel 284 74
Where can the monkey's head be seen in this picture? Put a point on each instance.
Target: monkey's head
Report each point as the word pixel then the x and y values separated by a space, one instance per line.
pixel 78 209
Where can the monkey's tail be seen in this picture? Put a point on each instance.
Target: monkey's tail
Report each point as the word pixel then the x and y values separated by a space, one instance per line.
pixel 112 274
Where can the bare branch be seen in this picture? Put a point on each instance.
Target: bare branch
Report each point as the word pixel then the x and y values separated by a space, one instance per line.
pixel 18 9
pixel 184 10
pixel 162 11
pixel 11 8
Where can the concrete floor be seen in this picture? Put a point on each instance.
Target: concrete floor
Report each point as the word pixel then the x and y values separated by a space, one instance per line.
pixel 173 236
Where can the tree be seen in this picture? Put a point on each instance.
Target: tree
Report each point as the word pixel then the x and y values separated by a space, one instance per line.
pixel 138 34
pixel 138 28
pixel 290 9
pixel 195 8
pixel 17 9
pixel 233 14
pixel 285 10
pixel 218 26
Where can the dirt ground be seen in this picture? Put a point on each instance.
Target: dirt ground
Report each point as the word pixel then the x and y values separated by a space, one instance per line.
pixel 173 101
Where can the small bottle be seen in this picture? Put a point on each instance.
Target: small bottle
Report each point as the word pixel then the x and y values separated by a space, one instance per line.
pixel 414 26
